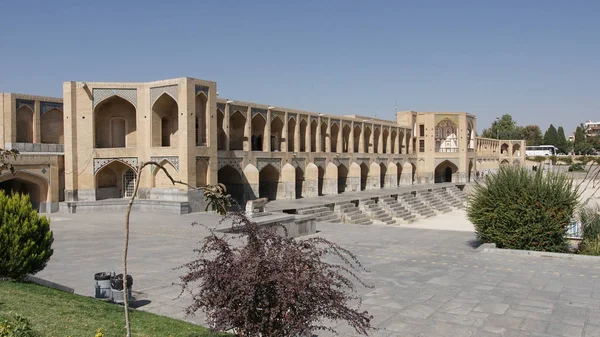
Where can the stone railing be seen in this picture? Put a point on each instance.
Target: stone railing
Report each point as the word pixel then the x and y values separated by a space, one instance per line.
pixel 36 147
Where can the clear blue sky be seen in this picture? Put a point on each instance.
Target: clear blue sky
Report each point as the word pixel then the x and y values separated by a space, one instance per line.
pixel 537 60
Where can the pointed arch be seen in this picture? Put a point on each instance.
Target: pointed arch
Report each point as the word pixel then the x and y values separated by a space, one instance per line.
pixel 376 145
pixel 504 149
pixel 401 142
pixel 201 109
pixel 398 174
pixel 221 136
pixel 346 138
pixel 364 176
pixel 52 127
pixel 201 172
pixel 357 134
pixel 106 117
pixel 26 183
pixel 323 136
pixel 276 134
pixel 342 172
pixel 394 136
pixel 335 130
pixel 386 135
pixel 268 182
pixel 299 183
pixel 165 121
pixel 110 182
pixel 237 122
pixel 24 125
pixel 233 182
pixel 367 140
pixel 303 131
pixel 258 132
pixel 446 136
pixel 313 136
pixel 291 135
pixel 382 175
pixel 516 150
pixel 160 179
pixel 446 172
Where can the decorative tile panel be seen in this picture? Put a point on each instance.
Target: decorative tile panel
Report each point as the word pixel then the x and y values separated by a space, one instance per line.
pixel 206 158
pixel 262 162
pixel 344 161
pixel 241 109
pixel 99 95
pixel 221 106
pixel 42 173
pixel 304 118
pixel 344 123
pixel 258 111
pixel 454 161
pixel 101 162
pixel 47 106
pixel 292 116
pixel 452 117
pixel 171 90
pixel 25 102
pixel 174 160
pixel 202 88
pixel 275 114
pixel 320 162
pixel 335 121
pixel 235 163
pixel 314 118
pixel 299 162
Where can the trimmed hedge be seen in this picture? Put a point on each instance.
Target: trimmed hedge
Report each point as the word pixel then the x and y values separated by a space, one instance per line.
pixel 519 209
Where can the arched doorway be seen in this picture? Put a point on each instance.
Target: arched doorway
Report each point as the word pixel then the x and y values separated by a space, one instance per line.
pixel 516 151
pixel 52 127
pixel 291 139
pixel 201 125
pixel 165 121
pixel 401 142
pixel 445 172
pixel 386 134
pixel 321 176
pixel 342 178
pixel 268 181
pixel 117 116
pixel 299 182
pixel 160 178
pixel 303 126
pixel 24 125
pixel 399 175
pixel 364 175
pixel 323 137
pixel 34 186
pixel 232 180
pixel 446 139
pixel 276 134
pixel 356 138
pixel 221 136
pixel 382 174
pixel 345 138
pixel 504 149
pixel 367 140
pixel 313 136
pixel 394 136
pixel 111 181
pixel 376 144
pixel 335 130
pixel 237 121
pixel 258 132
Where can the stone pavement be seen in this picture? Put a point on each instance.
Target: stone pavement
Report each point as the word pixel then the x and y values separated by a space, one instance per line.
pixel 427 282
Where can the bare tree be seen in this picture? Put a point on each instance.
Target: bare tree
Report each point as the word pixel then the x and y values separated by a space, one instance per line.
pixel 218 201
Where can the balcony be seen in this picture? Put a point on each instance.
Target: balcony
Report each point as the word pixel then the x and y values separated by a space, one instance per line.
pixel 446 149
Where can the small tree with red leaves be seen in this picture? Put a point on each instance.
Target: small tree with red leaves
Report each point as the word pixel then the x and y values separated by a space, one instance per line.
pixel 272 285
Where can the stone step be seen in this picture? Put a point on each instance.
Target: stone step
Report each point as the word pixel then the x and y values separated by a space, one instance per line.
pixel 328 218
pixel 313 210
pixel 363 222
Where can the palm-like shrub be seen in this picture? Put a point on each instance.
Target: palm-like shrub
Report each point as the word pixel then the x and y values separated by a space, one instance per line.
pixel 519 209
pixel 590 219
pixel 25 237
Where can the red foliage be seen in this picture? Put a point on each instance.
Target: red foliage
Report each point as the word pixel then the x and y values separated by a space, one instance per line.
pixel 271 285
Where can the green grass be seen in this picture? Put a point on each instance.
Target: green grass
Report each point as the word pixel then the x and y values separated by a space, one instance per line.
pixel 54 313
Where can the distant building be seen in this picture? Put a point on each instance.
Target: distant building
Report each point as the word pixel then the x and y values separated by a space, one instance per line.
pixel 592 129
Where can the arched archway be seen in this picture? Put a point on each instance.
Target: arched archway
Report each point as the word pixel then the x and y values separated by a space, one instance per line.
pixel 268 181
pixel 382 174
pixel 399 174
pixel 394 136
pixel 386 134
pixel 291 139
pixel 165 121
pixel 323 136
pixel 313 136
pixel 470 171
pixel 413 173
pixel 401 142
pixel 504 162
pixel 342 172
pixel 221 136
pixel 117 116
pixel 376 144
pixel 320 178
pixel 346 139
pixel 201 172
pixel 160 178
pixel 364 176
pixel 445 172
pixel 303 126
pixel 233 182
pixel 24 125
pixel 201 125
pixel 356 138
pixel 516 150
pixel 446 139
pixel 34 186
pixel 52 127
pixel 276 134
pixel 237 122
pixel 367 140
pixel 258 132
pixel 114 181
pixel 335 130
pixel 299 183
pixel 504 149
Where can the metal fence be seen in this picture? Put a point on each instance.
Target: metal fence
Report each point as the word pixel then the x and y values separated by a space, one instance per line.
pixel 575 230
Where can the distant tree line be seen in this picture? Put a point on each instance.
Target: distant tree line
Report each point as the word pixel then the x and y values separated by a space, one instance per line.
pixel 506 128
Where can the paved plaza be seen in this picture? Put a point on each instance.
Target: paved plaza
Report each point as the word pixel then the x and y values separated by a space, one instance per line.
pixel 428 281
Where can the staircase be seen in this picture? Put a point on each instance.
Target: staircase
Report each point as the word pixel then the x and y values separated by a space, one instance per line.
pixel 438 205
pixel 347 212
pixel 415 205
pixel 322 213
pixel 450 198
pixel 457 192
pixel 375 211
pixel 398 212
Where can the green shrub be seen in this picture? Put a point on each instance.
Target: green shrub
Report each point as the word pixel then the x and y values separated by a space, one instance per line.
pixel 590 220
pixel 518 209
pixel 577 167
pixel 25 237
pixel 13 325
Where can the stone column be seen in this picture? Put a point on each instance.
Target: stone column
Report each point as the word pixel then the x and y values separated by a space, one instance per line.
pixel 248 131
pixel 226 126
pixel 308 138
pixel 398 142
pixel 318 136
pixel 267 134
pixel 340 139
pixel 328 136
pixel 372 140
pixel 351 139
pixel 361 139
pixel 297 134
pixel 389 141
pixel 380 140
pixel 284 134
pixel 37 126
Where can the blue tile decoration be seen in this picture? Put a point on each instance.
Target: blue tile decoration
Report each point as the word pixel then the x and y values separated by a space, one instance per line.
pixel 202 89
pixel 47 106
pixel 174 160
pixel 221 106
pixel 258 111
pixel 101 162
pixel 235 163
pixel 25 102
pixel 206 158
pixel 171 90
pixel 99 95
pixel 262 162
